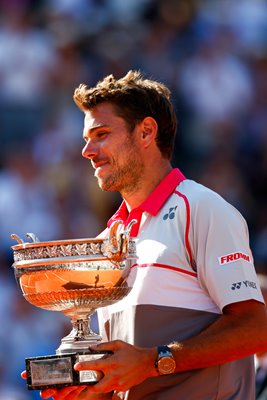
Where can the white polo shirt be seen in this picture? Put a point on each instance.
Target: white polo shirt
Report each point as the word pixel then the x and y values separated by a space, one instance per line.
pixel 193 259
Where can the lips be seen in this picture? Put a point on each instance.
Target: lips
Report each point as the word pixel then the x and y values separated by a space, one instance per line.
pixel 100 168
pixel 98 164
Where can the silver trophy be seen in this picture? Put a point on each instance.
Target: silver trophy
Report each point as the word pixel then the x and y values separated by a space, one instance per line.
pixel 75 277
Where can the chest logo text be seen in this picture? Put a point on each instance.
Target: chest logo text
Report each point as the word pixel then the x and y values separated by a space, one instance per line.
pixel 234 257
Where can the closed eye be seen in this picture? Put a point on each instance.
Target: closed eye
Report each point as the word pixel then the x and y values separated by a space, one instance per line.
pixel 97 135
pixel 101 134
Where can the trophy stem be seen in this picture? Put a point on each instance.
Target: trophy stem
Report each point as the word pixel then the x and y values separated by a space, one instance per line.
pixel 80 338
pixel 82 328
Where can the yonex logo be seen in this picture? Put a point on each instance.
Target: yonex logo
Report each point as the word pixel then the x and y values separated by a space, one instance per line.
pixel 237 285
pixel 233 257
pixel 170 214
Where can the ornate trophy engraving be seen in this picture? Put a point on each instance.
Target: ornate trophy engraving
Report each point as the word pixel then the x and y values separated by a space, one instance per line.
pixel 75 277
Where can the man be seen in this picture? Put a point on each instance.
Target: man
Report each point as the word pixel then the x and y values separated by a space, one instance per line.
pixel 195 315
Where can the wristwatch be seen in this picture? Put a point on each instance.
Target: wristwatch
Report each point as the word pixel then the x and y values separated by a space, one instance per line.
pixel 165 363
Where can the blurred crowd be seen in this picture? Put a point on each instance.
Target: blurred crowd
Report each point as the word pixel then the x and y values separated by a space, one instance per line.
pixel 213 56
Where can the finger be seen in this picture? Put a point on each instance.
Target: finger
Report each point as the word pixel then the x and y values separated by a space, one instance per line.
pixel 46 393
pixel 102 386
pixel 102 363
pixel 108 346
pixel 95 365
pixel 23 375
pixel 72 394
pixel 67 393
pixel 98 364
pixel 60 394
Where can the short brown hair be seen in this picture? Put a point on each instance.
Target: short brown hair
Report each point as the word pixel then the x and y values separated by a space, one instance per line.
pixel 134 98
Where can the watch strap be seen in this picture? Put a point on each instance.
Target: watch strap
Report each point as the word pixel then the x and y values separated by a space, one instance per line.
pixel 164 351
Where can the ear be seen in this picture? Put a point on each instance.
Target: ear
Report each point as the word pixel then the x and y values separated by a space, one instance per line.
pixel 149 130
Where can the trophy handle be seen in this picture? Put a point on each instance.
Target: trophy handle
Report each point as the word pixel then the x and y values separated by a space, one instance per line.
pixel 17 238
pixel 115 247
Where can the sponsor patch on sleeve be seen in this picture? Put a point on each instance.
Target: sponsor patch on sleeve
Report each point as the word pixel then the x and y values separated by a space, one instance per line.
pixel 234 257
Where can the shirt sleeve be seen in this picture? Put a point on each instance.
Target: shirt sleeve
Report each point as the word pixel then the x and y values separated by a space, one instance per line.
pixel 220 242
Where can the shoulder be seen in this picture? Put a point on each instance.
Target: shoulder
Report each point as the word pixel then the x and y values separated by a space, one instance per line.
pixel 196 192
pixel 205 203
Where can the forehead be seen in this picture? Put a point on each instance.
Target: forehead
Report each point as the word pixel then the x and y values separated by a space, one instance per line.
pixel 103 114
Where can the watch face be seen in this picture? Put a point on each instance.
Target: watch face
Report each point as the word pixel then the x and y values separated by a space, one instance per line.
pixel 166 365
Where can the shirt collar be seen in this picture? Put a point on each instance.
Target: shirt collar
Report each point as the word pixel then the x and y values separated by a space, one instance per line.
pixel 156 199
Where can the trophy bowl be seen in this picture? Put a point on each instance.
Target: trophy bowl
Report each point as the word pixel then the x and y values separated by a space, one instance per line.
pixel 74 277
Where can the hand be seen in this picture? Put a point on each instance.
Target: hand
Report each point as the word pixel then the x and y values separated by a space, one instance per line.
pixel 71 393
pixel 126 367
pixel 74 393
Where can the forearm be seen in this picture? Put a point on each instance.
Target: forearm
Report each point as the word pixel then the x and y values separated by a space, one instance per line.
pixel 230 337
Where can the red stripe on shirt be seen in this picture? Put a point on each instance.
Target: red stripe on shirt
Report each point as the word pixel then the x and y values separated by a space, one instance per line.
pixel 188 217
pixel 183 271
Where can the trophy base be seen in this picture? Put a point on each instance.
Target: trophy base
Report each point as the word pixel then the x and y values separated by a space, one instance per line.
pixel 57 370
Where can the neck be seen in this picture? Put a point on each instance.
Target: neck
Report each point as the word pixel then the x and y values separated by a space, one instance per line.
pixel 148 182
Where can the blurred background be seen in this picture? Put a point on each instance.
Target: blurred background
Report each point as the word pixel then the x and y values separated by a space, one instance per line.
pixel 213 56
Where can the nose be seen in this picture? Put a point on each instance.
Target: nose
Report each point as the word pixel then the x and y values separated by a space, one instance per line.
pixel 89 151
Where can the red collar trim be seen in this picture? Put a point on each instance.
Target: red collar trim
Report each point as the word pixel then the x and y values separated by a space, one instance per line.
pixel 162 192
pixel 155 200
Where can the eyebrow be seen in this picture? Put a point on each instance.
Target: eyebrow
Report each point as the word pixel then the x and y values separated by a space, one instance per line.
pixel 94 128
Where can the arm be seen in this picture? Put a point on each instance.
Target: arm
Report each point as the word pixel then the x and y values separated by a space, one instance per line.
pixel 239 332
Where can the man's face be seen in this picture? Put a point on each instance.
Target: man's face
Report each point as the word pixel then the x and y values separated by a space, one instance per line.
pixel 112 149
